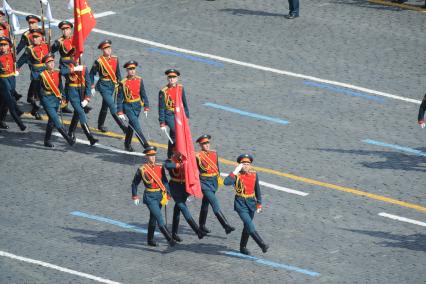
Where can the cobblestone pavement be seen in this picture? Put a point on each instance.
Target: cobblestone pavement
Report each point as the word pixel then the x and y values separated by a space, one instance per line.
pixel 337 234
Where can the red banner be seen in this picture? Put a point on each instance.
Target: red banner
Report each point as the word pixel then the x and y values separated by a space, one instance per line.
pixel 186 148
pixel 84 22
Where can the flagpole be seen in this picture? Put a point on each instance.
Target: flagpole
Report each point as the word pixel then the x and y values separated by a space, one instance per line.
pixel 42 19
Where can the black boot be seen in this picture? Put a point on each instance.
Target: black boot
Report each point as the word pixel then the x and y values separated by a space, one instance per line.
pixel 141 139
pixel 69 139
pixel 151 242
pixel 66 109
pixel 167 235
pixel 228 228
pixel 200 233
pixel 17 95
pixel 120 123
pixel 102 116
pixel 202 221
pixel 259 241
pixel 175 224
pixel 87 109
pixel 49 129
pixel 3 125
pixel 73 125
pixel 128 140
pixel 89 135
pixel 243 243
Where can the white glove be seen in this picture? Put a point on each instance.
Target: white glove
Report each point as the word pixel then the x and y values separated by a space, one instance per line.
pixel 93 91
pixel 136 202
pixel 422 125
pixel 78 68
pixel 163 128
pixel 84 103
pixel 16 73
pixel 238 169
pixel 258 208
pixel 122 117
pixel 146 114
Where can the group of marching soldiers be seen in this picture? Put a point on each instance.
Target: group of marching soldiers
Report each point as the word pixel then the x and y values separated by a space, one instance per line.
pixel 125 99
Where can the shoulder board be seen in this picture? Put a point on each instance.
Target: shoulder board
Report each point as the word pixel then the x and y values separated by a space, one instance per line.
pixel 61 39
pixel 26 33
pixel 138 77
pixel 252 171
pixel 56 70
pixel 114 56
pixel 124 80
pixel 164 88
pixel 180 85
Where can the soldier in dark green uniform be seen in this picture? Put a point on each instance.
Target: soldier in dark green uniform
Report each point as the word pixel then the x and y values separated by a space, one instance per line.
pixel 421 116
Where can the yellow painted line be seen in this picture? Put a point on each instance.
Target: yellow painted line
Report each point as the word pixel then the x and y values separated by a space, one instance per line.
pixel 402 5
pixel 286 175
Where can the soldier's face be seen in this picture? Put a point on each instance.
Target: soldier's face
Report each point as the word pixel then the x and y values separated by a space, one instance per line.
pixel 66 32
pixel 33 25
pixel 107 51
pixel 151 159
pixel 50 65
pixel 246 167
pixel 4 48
pixel 172 79
pixel 205 146
pixel 131 72
pixel 37 39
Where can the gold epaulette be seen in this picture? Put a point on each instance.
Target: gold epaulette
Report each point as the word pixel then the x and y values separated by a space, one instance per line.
pixel 114 56
pixel 164 89
pixel 124 80
pixel 138 77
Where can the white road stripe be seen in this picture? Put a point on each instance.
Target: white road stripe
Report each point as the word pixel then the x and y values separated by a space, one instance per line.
pixel 62 269
pixel 97 15
pixel 402 219
pixel 112 149
pixel 250 65
pixel 277 187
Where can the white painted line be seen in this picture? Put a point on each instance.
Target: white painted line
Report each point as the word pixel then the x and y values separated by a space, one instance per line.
pixel 62 269
pixel 112 149
pixel 250 65
pixel 97 15
pixel 402 219
pixel 277 187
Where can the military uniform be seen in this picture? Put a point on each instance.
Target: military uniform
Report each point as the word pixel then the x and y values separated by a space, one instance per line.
pixel 33 57
pixel 108 83
pixel 166 106
pixel 422 109
pixel 131 98
pixel 7 86
pixel 247 200
pixel 156 187
pixel 179 195
pixel 64 46
pixel 50 96
pixel 27 37
pixel 208 167
pixel 78 89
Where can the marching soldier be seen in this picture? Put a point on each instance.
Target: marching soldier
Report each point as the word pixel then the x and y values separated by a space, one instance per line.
pixel 78 92
pixel 65 48
pixel 421 115
pixel 166 105
pixel 108 68
pixel 26 38
pixel 208 167
pixel 51 96
pixel 247 200
pixel 33 57
pixel 8 84
pixel 177 189
pixel 155 195
pixel 131 98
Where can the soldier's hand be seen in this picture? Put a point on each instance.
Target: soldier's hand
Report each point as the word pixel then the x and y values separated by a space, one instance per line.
pixel 17 72
pixel 422 123
pixel 93 91
pixel 84 103
pixel 238 169
pixel 258 208
pixel 146 113
pixel 136 201
pixel 122 117
pixel 163 128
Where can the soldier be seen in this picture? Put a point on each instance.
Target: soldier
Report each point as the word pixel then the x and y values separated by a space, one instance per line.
pixel 8 84
pixel 247 200
pixel 108 68
pixel 26 38
pixel 78 92
pixel 131 98
pixel 33 57
pixel 208 166
pixel 421 115
pixel 65 48
pixel 177 189
pixel 155 195
pixel 51 96
pixel 166 105
pixel 4 29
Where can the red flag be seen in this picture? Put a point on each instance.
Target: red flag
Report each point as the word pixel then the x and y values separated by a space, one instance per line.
pixel 84 22
pixel 186 148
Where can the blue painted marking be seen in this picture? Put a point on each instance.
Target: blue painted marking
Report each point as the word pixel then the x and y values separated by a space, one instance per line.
pixel 250 114
pixel 273 264
pixel 344 91
pixel 397 147
pixel 110 221
pixel 186 56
